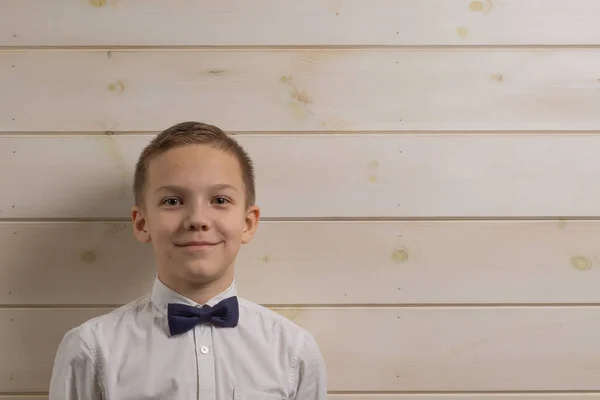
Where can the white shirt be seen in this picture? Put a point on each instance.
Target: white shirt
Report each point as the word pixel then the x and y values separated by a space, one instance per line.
pixel 129 354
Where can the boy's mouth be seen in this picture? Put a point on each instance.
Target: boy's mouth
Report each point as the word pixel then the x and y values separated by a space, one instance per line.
pixel 197 245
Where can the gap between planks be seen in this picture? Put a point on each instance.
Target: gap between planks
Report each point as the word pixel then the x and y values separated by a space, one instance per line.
pixel 388 393
pixel 326 219
pixel 346 133
pixel 471 393
pixel 306 47
pixel 440 306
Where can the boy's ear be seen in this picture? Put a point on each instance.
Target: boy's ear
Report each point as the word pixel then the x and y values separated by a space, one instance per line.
pixel 250 224
pixel 140 228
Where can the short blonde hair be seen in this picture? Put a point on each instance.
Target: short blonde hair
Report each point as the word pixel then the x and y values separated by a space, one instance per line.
pixel 192 133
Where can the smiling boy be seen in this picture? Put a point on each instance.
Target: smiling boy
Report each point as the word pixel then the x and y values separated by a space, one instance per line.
pixel 192 337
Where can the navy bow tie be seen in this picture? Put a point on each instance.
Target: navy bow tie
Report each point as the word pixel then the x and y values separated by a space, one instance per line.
pixel 182 317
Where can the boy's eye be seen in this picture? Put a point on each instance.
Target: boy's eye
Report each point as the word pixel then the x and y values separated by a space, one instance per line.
pixel 221 201
pixel 171 201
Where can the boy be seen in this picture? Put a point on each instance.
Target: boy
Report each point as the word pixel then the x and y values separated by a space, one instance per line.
pixel 191 338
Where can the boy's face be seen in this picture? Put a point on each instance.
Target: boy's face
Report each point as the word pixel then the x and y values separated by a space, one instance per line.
pixel 194 215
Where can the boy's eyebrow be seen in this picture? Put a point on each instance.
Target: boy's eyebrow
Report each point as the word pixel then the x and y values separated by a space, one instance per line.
pixel 180 189
pixel 170 188
pixel 221 186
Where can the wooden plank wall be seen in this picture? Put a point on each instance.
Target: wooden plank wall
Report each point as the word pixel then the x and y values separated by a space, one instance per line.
pixel 428 172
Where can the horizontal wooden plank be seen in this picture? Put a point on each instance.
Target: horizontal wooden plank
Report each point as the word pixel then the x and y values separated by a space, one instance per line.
pixel 429 175
pixel 466 396
pixel 326 263
pixel 381 349
pixel 301 90
pixel 339 22
pixel 24 397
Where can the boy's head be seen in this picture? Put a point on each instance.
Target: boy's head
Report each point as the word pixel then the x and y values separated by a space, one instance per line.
pixel 194 201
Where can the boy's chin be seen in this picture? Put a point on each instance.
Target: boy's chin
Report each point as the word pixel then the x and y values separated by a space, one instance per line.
pixel 202 272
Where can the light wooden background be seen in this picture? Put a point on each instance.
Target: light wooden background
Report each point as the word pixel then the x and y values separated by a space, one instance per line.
pixel 428 170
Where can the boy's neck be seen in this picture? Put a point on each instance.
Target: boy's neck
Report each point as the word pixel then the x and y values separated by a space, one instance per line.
pixel 199 293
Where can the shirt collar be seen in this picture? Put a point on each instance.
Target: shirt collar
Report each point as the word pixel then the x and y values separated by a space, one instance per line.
pixel 163 295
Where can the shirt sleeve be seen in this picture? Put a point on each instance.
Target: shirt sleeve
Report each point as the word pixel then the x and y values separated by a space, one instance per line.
pixel 311 372
pixel 74 374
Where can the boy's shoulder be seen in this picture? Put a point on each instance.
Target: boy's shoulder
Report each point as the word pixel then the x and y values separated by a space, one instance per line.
pixel 116 315
pixel 267 326
pixel 86 332
pixel 262 321
pixel 255 310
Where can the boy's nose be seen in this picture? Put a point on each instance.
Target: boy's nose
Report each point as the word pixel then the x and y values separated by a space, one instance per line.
pixel 196 219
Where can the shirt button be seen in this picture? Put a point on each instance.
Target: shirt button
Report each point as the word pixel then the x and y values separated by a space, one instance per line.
pixel 204 349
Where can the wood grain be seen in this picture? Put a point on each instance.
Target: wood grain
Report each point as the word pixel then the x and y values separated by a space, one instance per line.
pixel 24 397
pixel 301 90
pixel 381 349
pixel 468 396
pixel 343 263
pixel 315 176
pixel 332 23
pixel 377 396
